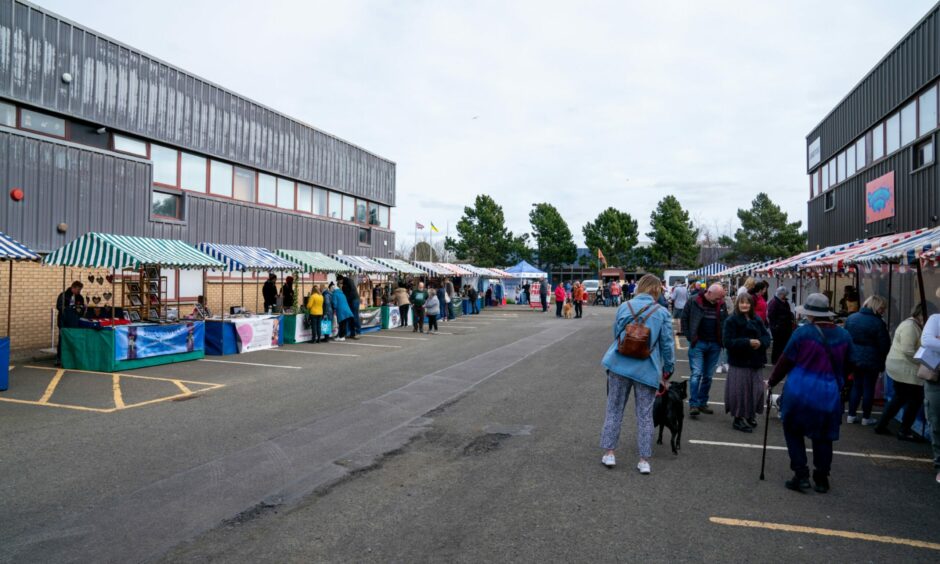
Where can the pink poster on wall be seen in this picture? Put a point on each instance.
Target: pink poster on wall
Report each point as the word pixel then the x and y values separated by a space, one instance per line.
pixel 879 198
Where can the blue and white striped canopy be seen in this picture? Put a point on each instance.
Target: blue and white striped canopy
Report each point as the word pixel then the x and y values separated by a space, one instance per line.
pixel 364 265
pixel 250 259
pixel 709 270
pixel 11 249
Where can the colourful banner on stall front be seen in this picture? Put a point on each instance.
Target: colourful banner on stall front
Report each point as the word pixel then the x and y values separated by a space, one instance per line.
pixel 143 341
pixel 303 329
pixel 256 333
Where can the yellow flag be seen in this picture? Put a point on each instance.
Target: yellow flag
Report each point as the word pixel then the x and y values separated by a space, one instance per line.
pixel 434 228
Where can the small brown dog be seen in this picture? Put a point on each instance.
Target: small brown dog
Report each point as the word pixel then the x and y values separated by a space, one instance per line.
pixel 568 310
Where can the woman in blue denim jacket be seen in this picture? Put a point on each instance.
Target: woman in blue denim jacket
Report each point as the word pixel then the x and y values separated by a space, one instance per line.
pixel 644 375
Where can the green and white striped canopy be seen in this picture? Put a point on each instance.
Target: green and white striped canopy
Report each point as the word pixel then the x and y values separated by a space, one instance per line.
pixel 95 250
pixel 313 261
pixel 399 265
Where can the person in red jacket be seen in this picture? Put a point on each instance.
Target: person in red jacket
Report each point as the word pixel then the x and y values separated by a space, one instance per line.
pixel 560 296
pixel 759 293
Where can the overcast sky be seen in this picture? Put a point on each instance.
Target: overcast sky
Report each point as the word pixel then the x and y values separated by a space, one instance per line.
pixel 581 104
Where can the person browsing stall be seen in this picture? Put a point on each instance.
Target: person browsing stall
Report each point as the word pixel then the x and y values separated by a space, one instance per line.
pixel 70 306
pixel 269 293
pixel 315 310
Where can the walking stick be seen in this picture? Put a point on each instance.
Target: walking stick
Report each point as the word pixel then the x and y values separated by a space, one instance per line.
pixel 763 457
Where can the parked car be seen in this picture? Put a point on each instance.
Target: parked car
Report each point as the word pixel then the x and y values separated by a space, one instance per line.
pixel 591 287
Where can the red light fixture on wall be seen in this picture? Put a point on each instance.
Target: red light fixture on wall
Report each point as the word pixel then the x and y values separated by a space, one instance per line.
pixel 16 194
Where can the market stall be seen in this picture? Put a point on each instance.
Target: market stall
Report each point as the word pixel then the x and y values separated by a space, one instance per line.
pixel 297 330
pixel 13 251
pixel 122 339
pixel 246 331
pixel 370 273
pixel 479 279
pixel 522 273
pixel 391 316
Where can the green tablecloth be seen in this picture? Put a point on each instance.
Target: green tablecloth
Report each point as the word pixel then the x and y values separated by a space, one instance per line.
pixel 93 349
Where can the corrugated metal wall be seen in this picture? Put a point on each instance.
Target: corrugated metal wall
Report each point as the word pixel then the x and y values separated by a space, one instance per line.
pixel 912 64
pixel 94 190
pixel 126 90
pixel 917 202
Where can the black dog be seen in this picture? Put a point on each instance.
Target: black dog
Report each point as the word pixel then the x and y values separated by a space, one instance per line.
pixel 669 411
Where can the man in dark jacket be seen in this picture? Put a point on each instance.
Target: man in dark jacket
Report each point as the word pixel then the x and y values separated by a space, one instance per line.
pixel 780 318
pixel 269 292
pixel 543 295
pixel 871 344
pixel 702 320
pixel 71 306
pixel 350 290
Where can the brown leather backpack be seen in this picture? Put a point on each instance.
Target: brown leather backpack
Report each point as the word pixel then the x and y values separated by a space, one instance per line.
pixel 634 342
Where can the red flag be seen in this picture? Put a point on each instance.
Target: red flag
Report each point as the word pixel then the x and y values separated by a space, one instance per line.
pixel 600 256
pixel 418 225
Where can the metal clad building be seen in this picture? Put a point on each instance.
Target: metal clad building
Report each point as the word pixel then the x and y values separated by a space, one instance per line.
pixel 871 161
pixel 103 137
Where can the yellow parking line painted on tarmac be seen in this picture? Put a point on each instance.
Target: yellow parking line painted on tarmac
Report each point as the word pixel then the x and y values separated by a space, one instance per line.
pixel 124 375
pixel 824 532
pixel 116 388
pixel 182 386
pixel 62 405
pixel 52 386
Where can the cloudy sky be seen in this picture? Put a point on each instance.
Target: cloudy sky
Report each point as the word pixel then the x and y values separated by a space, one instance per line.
pixel 581 104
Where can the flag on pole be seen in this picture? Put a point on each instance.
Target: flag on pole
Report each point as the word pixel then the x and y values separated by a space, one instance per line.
pixel 418 225
pixel 600 256
pixel 434 228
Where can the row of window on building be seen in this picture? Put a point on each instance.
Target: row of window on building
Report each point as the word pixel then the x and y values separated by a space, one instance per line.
pixel 915 120
pixel 176 171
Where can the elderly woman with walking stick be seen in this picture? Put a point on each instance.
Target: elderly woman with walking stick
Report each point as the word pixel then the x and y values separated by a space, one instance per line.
pixel 814 363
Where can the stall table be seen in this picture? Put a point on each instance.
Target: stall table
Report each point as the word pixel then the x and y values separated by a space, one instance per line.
pixel 126 347
pixel 235 335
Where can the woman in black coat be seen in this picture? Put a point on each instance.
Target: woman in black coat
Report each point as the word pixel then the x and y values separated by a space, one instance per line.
pixel 746 339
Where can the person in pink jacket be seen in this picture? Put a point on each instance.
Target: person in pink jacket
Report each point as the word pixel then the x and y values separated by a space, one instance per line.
pixel 560 296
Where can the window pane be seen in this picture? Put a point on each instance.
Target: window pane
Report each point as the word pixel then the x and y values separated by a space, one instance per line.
pixel 373 214
pixel 928 111
pixel 825 177
pixel 304 198
pixel 860 154
pixel 812 185
pixel 267 189
pixel 893 134
pixel 908 123
pixel 220 178
pixel 130 145
pixel 923 154
pixel 319 201
pixel 244 184
pixel 878 142
pixel 850 161
pixel 336 205
pixel 192 173
pixel 365 236
pixel 384 216
pixel 285 194
pixel 7 114
pixel 832 173
pixel 165 205
pixel 35 121
pixel 840 166
pixel 164 165
pixel 349 208
pixel 361 211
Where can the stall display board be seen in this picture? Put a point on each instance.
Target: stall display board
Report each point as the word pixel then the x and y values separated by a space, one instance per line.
pixel 370 319
pixel 223 337
pixel 132 342
pixel 4 363
pixel 97 349
pixel 298 328
pixel 391 317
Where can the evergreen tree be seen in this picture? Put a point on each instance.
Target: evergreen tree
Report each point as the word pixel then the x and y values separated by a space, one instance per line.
pixel 673 235
pixel 613 232
pixel 483 238
pixel 766 233
pixel 552 237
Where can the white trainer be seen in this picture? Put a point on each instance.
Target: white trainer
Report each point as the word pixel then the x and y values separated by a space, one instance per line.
pixel 643 466
pixel 850 419
pixel 869 421
pixel 609 460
